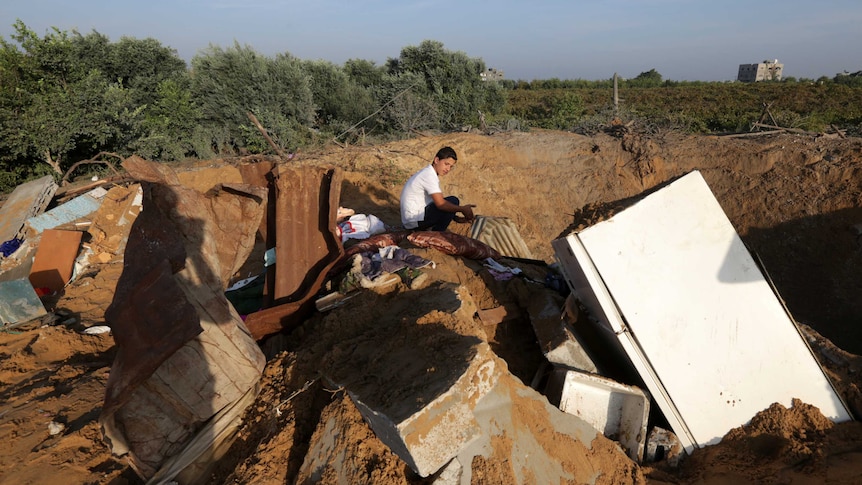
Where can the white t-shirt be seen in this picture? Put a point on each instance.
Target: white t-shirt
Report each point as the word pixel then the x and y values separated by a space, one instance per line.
pixel 416 194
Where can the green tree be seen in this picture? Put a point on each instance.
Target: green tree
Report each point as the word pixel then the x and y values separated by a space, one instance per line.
pixel 340 101
pixel 171 124
pixel 364 72
pixel 56 105
pixel 451 82
pixel 648 79
pixel 229 83
pixel 142 65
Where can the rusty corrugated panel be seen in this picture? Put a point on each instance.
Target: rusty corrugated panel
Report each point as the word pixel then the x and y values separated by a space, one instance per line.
pixel 304 223
pixel 306 244
pixel 501 234
pixel 262 174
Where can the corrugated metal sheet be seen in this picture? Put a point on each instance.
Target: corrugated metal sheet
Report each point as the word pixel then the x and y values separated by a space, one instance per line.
pixel 25 201
pixel 261 174
pixel 501 234
pixel 307 246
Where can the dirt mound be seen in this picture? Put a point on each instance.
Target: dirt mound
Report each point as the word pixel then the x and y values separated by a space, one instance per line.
pixel 780 445
pixel 794 200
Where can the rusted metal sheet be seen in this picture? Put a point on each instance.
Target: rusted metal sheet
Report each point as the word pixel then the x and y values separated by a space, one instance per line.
pixel 307 246
pixel 262 174
pixel 305 218
pixel 27 200
pixel 183 353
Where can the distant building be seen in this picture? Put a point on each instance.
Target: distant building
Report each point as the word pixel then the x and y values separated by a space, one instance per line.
pixel 491 74
pixel 764 71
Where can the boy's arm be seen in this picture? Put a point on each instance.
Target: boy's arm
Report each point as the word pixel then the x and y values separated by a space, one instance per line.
pixel 445 205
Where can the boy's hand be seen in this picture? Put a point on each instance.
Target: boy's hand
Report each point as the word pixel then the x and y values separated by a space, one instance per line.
pixel 467 210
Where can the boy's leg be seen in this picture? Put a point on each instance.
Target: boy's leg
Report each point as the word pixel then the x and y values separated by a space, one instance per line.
pixel 438 220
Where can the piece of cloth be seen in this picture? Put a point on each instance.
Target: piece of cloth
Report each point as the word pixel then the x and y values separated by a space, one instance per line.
pixel 10 247
pixel 490 263
pixel 361 226
pixel 500 272
pixel 389 260
pixel 416 195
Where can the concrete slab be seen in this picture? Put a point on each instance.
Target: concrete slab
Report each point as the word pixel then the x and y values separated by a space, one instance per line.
pixel 443 401
pixel 522 430
pixel 431 437
pixel 556 338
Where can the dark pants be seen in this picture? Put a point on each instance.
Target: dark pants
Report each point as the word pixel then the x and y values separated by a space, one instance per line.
pixel 435 219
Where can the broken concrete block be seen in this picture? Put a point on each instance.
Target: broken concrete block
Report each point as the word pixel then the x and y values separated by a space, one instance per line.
pixel 663 446
pixel 558 342
pixel 521 430
pixel 618 411
pixel 500 314
pixel 113 220
pixel 436 395
pixel 429 438
pixel 422 411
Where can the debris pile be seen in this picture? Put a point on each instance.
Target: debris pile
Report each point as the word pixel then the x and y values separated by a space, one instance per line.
pixel 259 317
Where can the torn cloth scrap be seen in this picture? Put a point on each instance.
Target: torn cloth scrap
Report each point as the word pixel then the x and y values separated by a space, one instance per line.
pixel 390 259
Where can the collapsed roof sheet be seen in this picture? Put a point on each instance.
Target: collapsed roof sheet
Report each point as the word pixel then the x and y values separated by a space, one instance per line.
pixel 303 228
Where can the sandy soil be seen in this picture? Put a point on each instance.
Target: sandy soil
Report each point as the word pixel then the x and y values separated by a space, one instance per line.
pixel 795 201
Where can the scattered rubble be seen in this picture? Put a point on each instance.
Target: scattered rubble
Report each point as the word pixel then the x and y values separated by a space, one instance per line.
pixel 477 365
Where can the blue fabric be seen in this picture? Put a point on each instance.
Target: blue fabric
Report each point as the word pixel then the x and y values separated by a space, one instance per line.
pixel 10 247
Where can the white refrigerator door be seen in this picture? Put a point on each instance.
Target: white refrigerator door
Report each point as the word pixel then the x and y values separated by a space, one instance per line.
pixel 694 313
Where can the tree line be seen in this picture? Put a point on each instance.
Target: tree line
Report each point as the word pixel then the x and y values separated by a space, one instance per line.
pixel 67 97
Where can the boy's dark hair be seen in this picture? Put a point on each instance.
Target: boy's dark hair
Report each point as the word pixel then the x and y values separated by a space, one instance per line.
pixel 446 152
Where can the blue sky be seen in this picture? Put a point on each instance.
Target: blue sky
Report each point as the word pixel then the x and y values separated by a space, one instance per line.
pixel 681 39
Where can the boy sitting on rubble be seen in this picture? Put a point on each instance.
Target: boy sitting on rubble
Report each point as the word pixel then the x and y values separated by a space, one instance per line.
pixel 423 206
